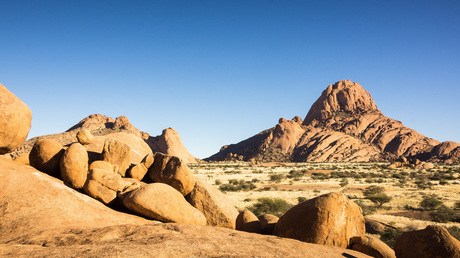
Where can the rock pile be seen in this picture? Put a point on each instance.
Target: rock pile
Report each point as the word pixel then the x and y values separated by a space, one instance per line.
pixel 116 174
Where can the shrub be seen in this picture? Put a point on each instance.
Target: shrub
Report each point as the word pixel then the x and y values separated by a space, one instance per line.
pixel 389 236
pixel 444 214
pixel 301 199
pixel 344 182
pixel 454 231
pixel 276 178
pixel 235 185
pixel 218 182
pixel 430 202
pixel 367 210
pixel 295 174
pixel 457 205
pixel 274 206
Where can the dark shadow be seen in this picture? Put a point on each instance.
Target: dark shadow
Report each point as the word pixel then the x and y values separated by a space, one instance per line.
pixel 348 255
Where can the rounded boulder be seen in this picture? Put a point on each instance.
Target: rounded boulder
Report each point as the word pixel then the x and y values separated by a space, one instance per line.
pixel 46 156
pixel 162 202
pixel 15 121
pixel 330 219
pixel 74 166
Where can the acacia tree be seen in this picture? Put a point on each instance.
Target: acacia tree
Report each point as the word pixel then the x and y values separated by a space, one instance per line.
pixel 377 195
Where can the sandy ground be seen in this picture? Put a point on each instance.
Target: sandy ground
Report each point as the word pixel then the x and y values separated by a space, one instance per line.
pixel 309 186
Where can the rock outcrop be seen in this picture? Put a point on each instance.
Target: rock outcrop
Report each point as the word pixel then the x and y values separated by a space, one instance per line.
pixel 330 219
pixel 162 202
pixel 15 121
pixel 216 207
pixel 173 171
pixel 46 156
pixel 41 216
pixel 74 166
pixel 99 126
pixel 169 142
pixel 247 221
pixel 345 125
pixel 433 241
pixel 371 246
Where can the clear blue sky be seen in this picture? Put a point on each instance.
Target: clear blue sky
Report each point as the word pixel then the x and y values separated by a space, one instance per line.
pixel 221 71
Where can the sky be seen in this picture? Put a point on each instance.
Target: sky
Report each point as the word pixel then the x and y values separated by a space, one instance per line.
pixel 219 72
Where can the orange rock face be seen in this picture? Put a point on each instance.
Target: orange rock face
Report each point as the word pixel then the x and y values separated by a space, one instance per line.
pixel 15 121
pixel 345 125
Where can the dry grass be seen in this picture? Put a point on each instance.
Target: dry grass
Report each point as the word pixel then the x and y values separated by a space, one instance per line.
pixel 400 183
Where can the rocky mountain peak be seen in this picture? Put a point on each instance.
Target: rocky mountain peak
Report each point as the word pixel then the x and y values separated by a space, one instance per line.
pixel 343 96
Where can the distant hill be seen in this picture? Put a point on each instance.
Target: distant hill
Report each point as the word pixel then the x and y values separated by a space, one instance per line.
pixel 343 125
pixel 169 142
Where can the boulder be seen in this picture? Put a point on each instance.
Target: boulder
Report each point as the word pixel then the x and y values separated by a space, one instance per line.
pixel 425 165
pixel 173 171
pixel 118 154
pixel 15 121
pixel 267 223
pixel 74 166
pixel 137 171
pixel 169 142
pixel 375 227
pixel 147 161
pixel 433 241
pixel 371 246
pixel 330 219
pixel 164 203
pixel 104 165
pixel 247 221
pixel 103 185
pixel 46 156
pixel 216 207
pixel 85 137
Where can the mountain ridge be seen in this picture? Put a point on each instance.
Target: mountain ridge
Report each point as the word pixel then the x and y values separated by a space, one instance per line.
pixel 343 124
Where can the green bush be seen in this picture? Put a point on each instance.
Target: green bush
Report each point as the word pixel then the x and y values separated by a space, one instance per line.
pixel 301 199
pixel 274 206
pixel 430 202
pixel 454 231
pixel 457 205
pixel 344 182
pixel 276 178
pixel 443 214
pixel 389 236
pixel 295 174
pixel 235 185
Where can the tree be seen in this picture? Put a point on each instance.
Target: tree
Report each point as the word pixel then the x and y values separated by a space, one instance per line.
pixel 379 199
pixel 376 194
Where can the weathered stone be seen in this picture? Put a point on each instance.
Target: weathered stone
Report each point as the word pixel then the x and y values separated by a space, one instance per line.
pixel 375 227
pixel 104 165
pixel 268 223
pixel 173 171
pixel 371 246
pixel 433 241
pixel 137 171
pixel 103 185
pixel 169 142
pixel 330 219
pixel 74 166
pixel 85 137
pixel 46 156
pixel 147 161
pixel 162 202
pixel 247 221
pixel 117 153
pixel 15 121
pixel 216 207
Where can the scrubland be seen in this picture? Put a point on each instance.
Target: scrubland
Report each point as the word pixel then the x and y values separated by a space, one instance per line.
pixel 405 188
